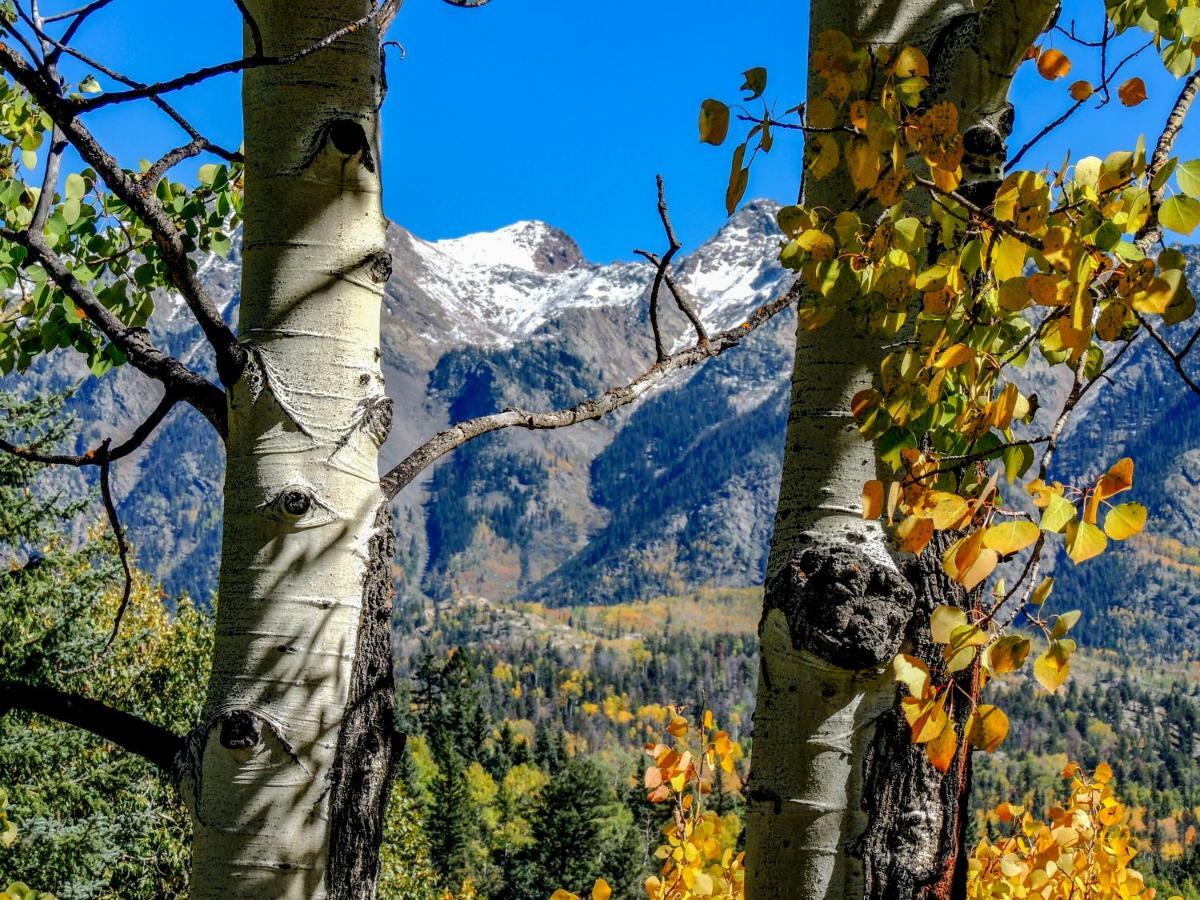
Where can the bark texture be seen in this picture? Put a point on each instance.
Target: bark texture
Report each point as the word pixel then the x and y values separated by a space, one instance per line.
pixel 296 663
pixel 841 805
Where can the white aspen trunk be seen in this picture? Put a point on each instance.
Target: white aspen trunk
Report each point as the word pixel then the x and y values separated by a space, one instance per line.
pixel 302 480
pixel 840 806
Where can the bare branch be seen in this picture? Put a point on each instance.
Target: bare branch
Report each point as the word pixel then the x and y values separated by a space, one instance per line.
pixel 614 398
pixel 153 743
pixel 1175 357
pixel 252 26
pixel 254 61
pixel 105 453
pixel 114 521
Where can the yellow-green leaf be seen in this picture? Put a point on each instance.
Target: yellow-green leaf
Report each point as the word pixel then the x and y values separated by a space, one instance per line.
pixel 1011 537
pixel 1125 521
pixel 1054 665
pixel 1084 541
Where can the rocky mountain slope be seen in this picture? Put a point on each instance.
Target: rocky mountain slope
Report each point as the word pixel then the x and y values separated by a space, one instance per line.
pixel 677 492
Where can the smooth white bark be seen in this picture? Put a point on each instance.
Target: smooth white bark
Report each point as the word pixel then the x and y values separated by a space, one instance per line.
pixel 302 483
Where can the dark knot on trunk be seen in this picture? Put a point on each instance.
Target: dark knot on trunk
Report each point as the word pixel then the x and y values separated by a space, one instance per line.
pixel 843 605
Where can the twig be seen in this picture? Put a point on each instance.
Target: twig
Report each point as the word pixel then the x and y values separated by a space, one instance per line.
pixel 114 521
pixel 105 453
pixel 1176 358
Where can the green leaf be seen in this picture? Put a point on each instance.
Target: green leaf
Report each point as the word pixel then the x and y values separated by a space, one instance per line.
pixel 76 187
pixel 1188 176
pixel 1180 213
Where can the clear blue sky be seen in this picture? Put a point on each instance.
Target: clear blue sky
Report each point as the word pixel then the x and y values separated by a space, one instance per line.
pixel 564 111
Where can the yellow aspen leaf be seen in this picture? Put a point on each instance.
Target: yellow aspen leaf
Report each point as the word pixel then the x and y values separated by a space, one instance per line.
pixel 817 244
pixel 1103 773
pixel 872 499
pixel 948 511
pixel 1054 665
pixel 1008 258
pixel 864 162
pixel 601 890
pixel 926 717
pixel 984 565
pixel 1014 294
pixel 1125 521
pixel 988 728
pixel 1064 623
pixel 1084 541
pixel 714 122
pixel 965 551
pixel 941 749
pixel 1049 290
pixel 954 356
pixel 960 652
pixel 1042 593
pixel 821 113
pixel 1007 654
pixel 944 620
pixel 895 492
pixel 1011 537
pixel 1132 92
pixel 912 673
pixel 1154 297
pixel 1053 64
pixel 1081 90
pixel 911 63
pixel 914 534
pixel 560 894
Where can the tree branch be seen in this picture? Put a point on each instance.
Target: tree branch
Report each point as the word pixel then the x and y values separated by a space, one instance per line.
pixel 206 397
pixel 105 453
pixel 129 732
pixel 1151 231
pixel 614 398
pixel 231 356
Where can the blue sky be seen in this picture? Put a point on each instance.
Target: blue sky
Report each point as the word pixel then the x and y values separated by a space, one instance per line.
pixel 564 111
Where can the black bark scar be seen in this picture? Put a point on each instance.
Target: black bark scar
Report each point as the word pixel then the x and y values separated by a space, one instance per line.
pixel 842 605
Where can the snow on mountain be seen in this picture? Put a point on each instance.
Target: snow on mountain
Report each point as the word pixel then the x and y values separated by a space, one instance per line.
pixel 501 286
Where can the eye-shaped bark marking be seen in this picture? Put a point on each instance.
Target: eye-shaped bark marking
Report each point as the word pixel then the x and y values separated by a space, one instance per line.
pixel 298 506
pixel 240 730
pixel 347 137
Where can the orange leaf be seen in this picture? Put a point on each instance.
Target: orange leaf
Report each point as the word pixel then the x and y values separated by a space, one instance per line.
pixel 1053 64
pixel 1132 92
pixel 872 499
pixel 1081 90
